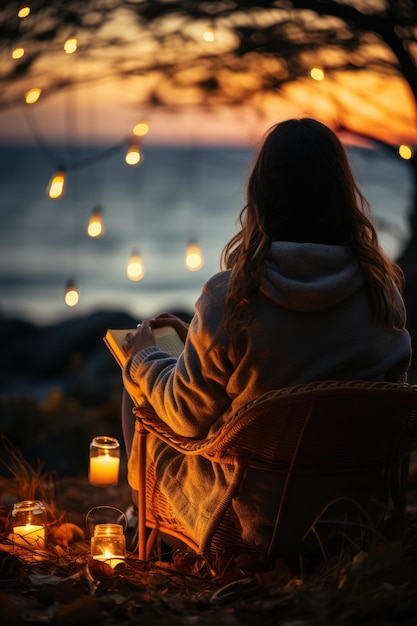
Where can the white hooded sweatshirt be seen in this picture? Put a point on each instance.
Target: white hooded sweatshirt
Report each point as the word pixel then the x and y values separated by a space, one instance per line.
pixel 313 322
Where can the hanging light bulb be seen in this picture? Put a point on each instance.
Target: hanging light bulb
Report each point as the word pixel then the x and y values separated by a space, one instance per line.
pixel 317 73
pixel 56 185
pixel 141 129
pixel 133 155
pixel 95 226
pixel 18 53
pixel 72 296
pixel 405 151
pixel 70 46
pixel 193 257
pixel 134 269
pixel 23 11
pixel 33 95
pixel 209 34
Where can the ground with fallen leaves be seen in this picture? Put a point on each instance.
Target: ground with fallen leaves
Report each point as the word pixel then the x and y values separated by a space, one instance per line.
pixel 62 585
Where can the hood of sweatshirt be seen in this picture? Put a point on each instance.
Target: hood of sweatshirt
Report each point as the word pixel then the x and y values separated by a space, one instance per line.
pixel 310 277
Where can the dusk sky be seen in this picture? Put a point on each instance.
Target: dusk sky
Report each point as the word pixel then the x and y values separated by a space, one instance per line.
pixel 107 113
pixel 105 110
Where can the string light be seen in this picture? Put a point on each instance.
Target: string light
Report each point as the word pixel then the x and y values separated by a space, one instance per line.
pixel 33 95
pixel 317 73
pixel 209 35
pixel 141 129
pixel 95 226
pixel 72 296
pixel 56 185
pixel 405 151
pixel 70 46
pixel 133 155
pixel 23 11
pixel 193 256
pixel 18 53
pixel 55 189
pixel 134 269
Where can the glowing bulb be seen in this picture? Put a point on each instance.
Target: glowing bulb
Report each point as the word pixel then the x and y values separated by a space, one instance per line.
pixel 133 155
pixel 95 226
pixel 72 296
pixel 23 11
pixel 134 268
pixel 33 95
pixel 405 151
pixel 141 129
pixel 209 35
pixel 56 186
pixel 18 53
pixel 317 73
pixel 193 257
pixel 70 45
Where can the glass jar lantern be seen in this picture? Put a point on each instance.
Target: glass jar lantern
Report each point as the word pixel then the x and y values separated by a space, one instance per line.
pixel 108 544
pixel 104 461
pixel 28 520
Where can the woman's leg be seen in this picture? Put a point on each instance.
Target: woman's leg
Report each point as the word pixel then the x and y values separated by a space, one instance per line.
pixel 128 428
pixel 128 421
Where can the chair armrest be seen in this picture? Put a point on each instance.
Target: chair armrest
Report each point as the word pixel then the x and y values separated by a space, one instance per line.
pixel 153 424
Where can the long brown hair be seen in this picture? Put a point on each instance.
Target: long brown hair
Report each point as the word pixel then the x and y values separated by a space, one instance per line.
pixel 302 189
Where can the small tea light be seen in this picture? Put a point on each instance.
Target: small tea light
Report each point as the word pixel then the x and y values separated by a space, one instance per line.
pixel 28 522
pixel 104 461
pixel 108 544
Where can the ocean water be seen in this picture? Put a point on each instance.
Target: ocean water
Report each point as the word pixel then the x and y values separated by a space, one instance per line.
pixel 177 193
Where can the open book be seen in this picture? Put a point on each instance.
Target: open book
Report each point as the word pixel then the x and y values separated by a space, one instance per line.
pixel 166 338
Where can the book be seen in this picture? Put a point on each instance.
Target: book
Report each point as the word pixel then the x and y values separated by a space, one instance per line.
pixel 166 338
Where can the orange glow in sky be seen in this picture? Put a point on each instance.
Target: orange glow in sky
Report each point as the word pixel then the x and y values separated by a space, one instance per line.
pixel 108 112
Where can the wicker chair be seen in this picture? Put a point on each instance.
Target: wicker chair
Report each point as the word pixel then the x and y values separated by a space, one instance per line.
pixel 328 428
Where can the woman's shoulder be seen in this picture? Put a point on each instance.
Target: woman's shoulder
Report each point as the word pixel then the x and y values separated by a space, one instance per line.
pixel 218 282
pixel 213 294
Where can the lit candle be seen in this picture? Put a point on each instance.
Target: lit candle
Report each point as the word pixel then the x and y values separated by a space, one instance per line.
pixel 109 558
pixel 29 535
pixel 104 470
pixel 28 522
pixel 104 461
pixel 108 544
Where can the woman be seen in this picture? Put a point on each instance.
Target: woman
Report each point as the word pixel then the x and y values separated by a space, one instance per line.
pixel 306 295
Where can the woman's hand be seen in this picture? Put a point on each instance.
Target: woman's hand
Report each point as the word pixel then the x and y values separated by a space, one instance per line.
pixel 167 319
pixel 142 338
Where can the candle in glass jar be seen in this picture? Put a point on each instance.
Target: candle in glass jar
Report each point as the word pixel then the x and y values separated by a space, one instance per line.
pixel 104 470
pixel 28 521
pixel 104 461
pixel 108 544
pixel 29 535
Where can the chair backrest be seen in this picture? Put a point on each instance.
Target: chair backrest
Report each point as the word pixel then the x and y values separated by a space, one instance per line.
pixel 320 428
pixel 328 426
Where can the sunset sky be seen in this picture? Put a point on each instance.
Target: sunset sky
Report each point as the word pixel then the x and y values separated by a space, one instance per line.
pixel 107 113
pixel 107 109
